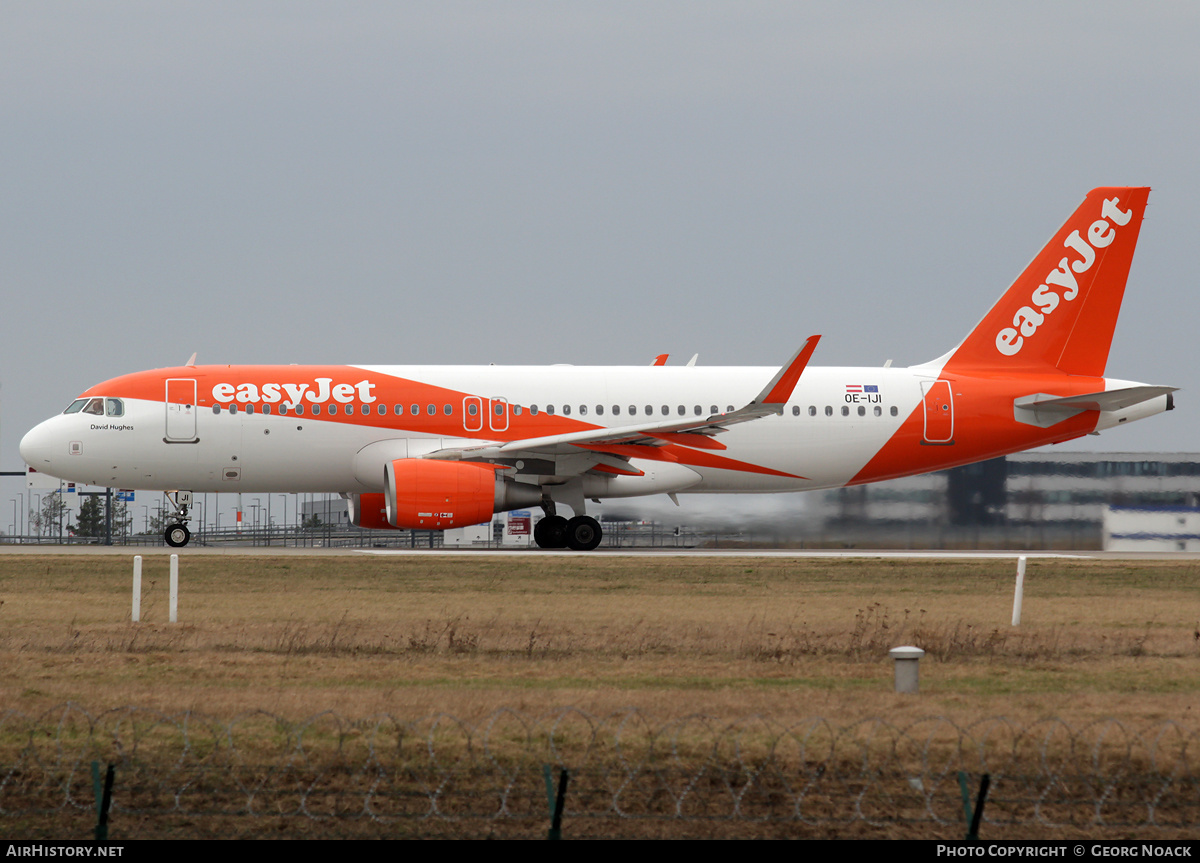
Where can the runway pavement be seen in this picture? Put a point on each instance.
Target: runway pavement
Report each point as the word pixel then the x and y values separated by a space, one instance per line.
pixel 261 550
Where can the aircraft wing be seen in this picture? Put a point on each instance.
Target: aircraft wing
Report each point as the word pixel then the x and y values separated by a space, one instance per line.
pixel 695 432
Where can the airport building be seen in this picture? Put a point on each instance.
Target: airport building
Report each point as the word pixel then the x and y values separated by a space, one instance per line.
pixel 1034 499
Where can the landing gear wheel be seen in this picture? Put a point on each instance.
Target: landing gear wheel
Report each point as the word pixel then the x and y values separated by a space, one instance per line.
pixel 177 535
pixel 583 533
pixel 551 532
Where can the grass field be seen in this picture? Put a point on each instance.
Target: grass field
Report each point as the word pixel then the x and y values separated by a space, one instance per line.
pixel 757 644
pixel 466 635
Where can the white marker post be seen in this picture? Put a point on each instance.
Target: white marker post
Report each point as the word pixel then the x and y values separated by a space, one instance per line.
pixel 1019 593
pixel 908 674
pixel 136 615
pixel 174 602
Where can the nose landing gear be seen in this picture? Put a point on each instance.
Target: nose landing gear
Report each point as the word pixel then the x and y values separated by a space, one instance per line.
pixel 177 533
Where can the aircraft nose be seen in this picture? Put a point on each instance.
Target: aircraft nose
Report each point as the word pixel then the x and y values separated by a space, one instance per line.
pixel 37 445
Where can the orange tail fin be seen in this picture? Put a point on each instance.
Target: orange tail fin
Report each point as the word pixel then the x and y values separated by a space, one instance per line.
pixel 1061 311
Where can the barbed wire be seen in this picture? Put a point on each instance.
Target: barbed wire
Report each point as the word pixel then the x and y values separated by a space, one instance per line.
pixel 623 765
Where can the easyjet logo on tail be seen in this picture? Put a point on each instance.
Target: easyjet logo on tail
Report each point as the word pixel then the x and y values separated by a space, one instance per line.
pixel 1046 298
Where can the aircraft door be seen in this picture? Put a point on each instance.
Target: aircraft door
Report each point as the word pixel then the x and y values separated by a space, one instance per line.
pixel 181 411
pixel 939 413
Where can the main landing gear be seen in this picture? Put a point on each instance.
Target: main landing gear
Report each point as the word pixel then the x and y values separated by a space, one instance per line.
pixel 177 533
pixel 581 533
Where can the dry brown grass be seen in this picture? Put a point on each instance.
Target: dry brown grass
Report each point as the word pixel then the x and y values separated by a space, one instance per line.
pixel 468 635
pixel 727 637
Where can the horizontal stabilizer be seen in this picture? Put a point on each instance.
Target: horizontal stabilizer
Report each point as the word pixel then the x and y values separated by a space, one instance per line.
pixel 1109 400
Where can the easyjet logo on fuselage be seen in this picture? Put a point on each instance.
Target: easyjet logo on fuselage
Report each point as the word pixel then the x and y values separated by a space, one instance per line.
pixel 1045 298
pixel 318 392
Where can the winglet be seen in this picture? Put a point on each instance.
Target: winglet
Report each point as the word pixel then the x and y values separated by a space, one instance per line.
pixel 660 360
pixel 779 390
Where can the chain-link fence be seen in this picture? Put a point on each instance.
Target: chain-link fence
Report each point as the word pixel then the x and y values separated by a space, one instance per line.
pixel 629 774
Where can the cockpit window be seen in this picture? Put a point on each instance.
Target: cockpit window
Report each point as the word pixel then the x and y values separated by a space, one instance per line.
pixel 114 407
pixel 75 406
pixel 94 406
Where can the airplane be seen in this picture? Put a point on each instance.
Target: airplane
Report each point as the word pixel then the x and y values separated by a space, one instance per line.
pixel 436 447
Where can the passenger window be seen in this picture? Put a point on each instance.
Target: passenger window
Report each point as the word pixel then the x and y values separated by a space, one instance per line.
pixel 566 410
pixel 729 409
pixel 616 410
pixel 599 410
pixel 682 410
pixel 666 411
pixel 550 409
pixel 116 407
pixel 533 409
pixel 894 410
pixel 828 410
pixel 283 409
pixel 845 411
pixel 812 410
pixel 795 410
pixel 862 410
pixel 517 410
pixel 697 410
pixel 266 409
pixel 713 409
pixel 878 411
pixel 365 410
pixel 583 410
pixel 431 410
pixel 249 409
pixel 233 409
pixel 448 410
pixel 299 410
pixel 316 410
pixel 382 410
pixel 415 410
pixel 216 409
pixel 398 410
pixel 472 409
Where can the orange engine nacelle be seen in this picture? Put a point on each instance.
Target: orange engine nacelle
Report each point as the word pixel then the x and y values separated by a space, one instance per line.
pixel 368 510
pixel 427 494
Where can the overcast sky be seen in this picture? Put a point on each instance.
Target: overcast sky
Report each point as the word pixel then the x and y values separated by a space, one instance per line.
pixel 590 183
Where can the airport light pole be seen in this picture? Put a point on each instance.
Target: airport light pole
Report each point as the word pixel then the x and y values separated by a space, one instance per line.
pixel 284 496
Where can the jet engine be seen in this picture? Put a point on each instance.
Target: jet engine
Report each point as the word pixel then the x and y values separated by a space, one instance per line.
pixel 368 510
pixel 429 494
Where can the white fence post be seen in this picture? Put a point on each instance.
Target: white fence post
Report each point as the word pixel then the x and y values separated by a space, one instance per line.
pixel 137 588
pixel 1019 593
pixel 174 588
